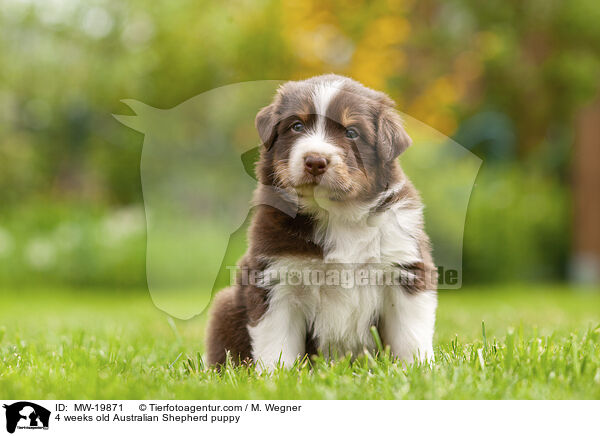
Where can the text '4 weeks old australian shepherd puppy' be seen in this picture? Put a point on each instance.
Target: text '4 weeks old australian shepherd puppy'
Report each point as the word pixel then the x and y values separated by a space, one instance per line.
pixel 352 254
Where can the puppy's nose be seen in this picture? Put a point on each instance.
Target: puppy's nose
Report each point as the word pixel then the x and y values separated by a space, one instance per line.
pixel 315 165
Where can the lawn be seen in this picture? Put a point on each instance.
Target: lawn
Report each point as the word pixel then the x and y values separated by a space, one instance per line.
pixel 510 342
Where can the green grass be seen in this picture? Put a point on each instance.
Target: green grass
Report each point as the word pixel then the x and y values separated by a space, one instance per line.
pixel 539 343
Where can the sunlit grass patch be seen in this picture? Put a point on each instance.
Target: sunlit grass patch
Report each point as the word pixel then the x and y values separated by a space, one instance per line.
pixel 532 343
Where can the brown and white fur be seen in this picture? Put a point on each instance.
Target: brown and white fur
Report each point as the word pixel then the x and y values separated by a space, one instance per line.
pixel 330 147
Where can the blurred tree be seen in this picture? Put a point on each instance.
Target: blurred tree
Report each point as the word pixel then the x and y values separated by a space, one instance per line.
pixel 586 178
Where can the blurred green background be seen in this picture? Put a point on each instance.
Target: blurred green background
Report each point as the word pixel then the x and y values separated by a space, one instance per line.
pixel 506 79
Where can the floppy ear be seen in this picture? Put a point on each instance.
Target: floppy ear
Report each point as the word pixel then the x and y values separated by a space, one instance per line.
pixel 266 125
pixel 392 139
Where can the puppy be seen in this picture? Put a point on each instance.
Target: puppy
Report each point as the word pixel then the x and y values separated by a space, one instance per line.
pixel 342 247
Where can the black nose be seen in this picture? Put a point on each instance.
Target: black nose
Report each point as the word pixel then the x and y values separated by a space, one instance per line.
pixel 315 165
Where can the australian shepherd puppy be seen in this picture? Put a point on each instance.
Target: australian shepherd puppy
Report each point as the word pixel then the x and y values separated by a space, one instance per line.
pixel 343 247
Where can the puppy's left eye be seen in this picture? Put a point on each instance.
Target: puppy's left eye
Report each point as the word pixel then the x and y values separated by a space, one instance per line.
pixel 351 133
pixel 297 126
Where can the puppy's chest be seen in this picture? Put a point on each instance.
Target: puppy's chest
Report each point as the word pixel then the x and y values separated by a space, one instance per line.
pixel 340 295
pixel 338 306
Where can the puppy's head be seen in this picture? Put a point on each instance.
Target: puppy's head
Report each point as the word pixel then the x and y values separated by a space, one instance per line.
pixel 332 136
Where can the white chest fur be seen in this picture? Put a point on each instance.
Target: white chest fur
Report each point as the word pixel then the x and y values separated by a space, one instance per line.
pixel 338 298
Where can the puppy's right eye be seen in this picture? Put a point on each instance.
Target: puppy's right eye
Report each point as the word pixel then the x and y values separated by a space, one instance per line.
pixel 297 126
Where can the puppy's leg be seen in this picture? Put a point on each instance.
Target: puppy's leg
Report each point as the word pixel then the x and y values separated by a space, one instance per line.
pixel 227 329
pixel 279 337
pixel 407 324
